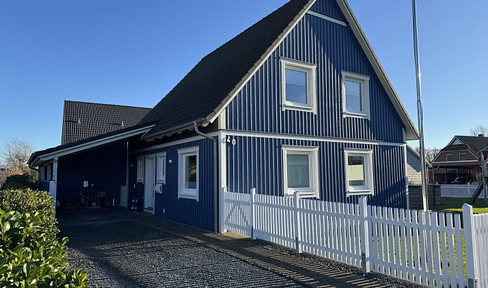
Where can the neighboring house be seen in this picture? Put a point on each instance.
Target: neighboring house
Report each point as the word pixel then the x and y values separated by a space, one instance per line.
pixel 3 171
pixel 297 102
pixel 414 167
pixel 460 158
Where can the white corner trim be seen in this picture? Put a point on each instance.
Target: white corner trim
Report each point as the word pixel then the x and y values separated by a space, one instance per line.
pixel 325 17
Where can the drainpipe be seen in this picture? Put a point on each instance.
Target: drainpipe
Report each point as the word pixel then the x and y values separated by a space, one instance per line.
pixel 216 192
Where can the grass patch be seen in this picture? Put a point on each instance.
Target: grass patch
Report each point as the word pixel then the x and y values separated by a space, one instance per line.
pixel 450 204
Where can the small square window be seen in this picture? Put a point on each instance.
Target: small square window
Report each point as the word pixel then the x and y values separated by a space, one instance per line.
pixel 448 157
pixel 462 157
pixel 188 178
pixel 298 85
pixel 300 165
pixel 359 172
pixel 355 94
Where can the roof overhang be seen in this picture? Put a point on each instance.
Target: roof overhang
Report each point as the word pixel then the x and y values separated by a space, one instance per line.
pixel 39 158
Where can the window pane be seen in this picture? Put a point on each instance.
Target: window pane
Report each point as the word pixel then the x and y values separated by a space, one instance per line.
pixel 448 157
pixel 462 157
pixel 353 96
pixel 297 170
pixel 191 172
pixel 296 86
pixel 356 171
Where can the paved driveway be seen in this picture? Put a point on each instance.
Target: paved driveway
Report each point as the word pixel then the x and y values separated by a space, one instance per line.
pixel 119 249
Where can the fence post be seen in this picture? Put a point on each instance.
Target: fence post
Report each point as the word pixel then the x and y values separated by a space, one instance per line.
pixel 297 222
pixel 470 246
pixel 363 210
pixel 222 209
pixel 253 192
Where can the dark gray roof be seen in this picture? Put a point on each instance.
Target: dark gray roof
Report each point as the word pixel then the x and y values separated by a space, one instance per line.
pixel 82 120
pixel 473 143
pixel 209 84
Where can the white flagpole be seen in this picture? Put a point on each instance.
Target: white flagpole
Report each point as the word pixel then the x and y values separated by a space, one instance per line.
pixel 420 111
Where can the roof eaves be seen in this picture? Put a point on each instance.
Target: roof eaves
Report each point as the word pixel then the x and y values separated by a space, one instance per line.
pixel 411 131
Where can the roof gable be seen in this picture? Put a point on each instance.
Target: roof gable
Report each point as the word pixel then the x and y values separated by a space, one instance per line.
pixel 82 120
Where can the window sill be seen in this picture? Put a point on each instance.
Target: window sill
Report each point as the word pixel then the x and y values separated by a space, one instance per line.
pixel 303 194
pixel 293 106
pixel 355 115
pixel 359 193
pixel 188 196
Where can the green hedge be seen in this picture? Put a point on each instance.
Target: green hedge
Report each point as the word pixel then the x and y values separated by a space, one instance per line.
pixel 20 181
pixel 30 253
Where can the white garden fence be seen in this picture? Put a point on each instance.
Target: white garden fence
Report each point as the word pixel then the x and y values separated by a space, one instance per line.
pixel 417 246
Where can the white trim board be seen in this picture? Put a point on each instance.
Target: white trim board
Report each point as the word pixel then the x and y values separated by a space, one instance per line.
pixel 173 143
pixel 92 144
pixel 325 17
pixel 308 138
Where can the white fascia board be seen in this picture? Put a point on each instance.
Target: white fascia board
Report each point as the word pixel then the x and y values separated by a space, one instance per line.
pixel 411 133
pixel 93 144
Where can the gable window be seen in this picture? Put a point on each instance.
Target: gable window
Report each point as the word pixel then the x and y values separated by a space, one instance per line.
pixel 140 170
pixel 359 172
pixel 300 167
pixel 448 157
pixel 355 94
pixel 188 179
pixel 462 156
pixel 161 168
pixel 298 85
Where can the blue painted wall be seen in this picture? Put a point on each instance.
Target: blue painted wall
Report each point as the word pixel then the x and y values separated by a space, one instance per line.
pixel 187 211
pixel 104 167
pixel 258 163
pixel 333 48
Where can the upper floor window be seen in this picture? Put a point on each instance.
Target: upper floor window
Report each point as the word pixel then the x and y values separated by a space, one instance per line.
pixel 300 167
pixel 448 157
pixel 355 94
pixel 298 85
pixel 462 156
pixel 359 172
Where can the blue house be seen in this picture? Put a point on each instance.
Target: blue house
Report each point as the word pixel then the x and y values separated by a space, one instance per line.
pixel 297 102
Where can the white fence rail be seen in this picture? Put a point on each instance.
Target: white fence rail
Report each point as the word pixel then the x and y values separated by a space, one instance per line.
pixel 417 246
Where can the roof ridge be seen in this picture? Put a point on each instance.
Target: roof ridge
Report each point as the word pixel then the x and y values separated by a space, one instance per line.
pixel 106 104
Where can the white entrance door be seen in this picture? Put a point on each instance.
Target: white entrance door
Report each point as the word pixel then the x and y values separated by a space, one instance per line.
pixel 149 182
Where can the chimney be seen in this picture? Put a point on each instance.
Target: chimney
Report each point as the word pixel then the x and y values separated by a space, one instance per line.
pixel 481 135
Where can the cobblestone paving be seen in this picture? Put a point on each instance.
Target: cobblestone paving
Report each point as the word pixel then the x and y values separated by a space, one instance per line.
pixel 120 252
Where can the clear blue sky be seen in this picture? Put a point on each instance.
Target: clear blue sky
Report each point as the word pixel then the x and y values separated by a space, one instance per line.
pixel 133 53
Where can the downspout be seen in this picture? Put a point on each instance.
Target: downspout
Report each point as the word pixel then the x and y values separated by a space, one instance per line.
pixel 216 191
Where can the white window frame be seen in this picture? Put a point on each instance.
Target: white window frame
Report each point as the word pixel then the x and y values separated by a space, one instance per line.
pixel 459 157
pixel 364 81
pixel 183 192
pixel 140 169
pixel 313 162
pixel 367 189
pixel 161 168
pixel 308 68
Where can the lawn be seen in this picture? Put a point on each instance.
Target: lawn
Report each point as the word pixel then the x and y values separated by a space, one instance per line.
pixel 456 205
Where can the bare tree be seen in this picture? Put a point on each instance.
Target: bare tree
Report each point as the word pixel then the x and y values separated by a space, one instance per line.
pixel 480 129
pixel 15 155
pixel 430 153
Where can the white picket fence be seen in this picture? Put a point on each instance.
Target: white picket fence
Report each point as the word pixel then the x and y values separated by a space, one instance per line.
pixel 417 246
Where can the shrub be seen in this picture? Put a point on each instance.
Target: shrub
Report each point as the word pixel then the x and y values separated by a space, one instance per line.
pixel 20 181
pixel 30 201
pixel 30 253
pixel 32 257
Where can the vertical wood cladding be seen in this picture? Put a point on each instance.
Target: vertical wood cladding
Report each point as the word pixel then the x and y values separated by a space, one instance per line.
pixel 255 162
pixel 333 48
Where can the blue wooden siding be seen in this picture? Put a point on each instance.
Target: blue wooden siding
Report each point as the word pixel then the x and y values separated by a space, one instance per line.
pixel 258 163
pixel 333 48
pixel 328 8
pixel 103 167
pixel 196 213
